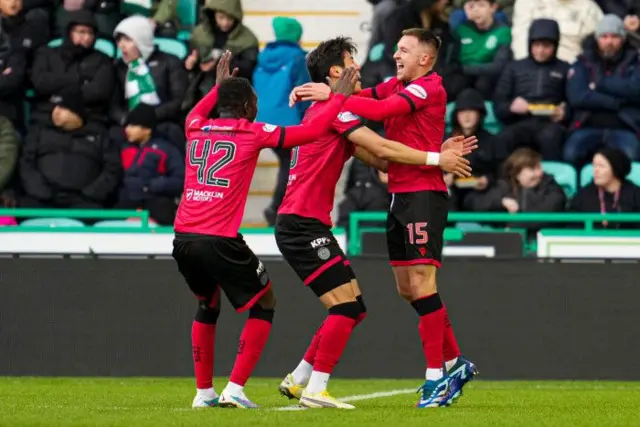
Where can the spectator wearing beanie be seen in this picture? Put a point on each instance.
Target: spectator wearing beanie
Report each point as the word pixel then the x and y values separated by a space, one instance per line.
pixel 221 29
pixel 604 95
pixel 281 67
pixel 68 162
pixel 153 168
pixel 75 64
pixel 610 191
pixel 146 75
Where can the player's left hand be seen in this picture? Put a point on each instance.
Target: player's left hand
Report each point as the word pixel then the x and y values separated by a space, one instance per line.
pixel 461 144
pixel 309 92
pixel 453 162
pixel 222 70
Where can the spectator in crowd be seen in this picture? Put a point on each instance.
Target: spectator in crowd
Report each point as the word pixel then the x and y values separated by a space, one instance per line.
pixel 460 15
pixel 76 64
pixel 577 19
pixel 27 28
pixel 484 46
pixel 429 14
pixel 221 29
pixel 68 163
pixel 603 90
pixel 8 158
pixel 364 191
pixel 106 13
pixel 629 11
pixel 530 95
pixel 153 168
pixel 467 120
pixel 12 76
pixel 281 67
pixel 525 188
pixel 610 191
pixel 163 14
pixel 144 74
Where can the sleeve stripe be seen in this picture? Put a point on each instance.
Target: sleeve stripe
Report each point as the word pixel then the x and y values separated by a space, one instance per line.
pixel 281 139
pixel 374 93
pixel 409 100
pixel 349 131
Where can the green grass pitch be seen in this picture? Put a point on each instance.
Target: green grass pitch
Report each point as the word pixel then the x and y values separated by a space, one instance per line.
pixel 166 402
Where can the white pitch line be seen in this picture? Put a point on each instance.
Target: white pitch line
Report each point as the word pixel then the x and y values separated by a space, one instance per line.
pixel 356 398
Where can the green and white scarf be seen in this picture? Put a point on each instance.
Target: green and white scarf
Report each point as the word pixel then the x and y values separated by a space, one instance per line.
pixel 140 86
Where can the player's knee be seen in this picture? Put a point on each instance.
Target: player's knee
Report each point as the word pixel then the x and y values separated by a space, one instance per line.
pixel 268 300
pixel 405 293
pixel 351 310
pixel 422 280
pixel 206 314
pixel 258 312
pixel 426 305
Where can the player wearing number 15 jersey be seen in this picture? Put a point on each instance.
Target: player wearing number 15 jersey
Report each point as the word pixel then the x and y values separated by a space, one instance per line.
pixel 211 255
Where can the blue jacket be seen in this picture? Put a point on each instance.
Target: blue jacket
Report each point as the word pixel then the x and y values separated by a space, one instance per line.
pixel 617 90
pixel 281 67
pixel 153 169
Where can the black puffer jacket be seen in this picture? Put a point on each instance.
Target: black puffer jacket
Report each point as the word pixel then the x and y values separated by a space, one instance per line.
pixel 540 83
pixel 28 31
pixel 12 73
pixel 55 69
pixel 82 162
pixel 171 81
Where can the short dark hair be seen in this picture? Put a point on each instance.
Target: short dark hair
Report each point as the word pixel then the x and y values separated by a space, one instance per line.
pixel 329 53
pixel 233 94
pixel 424 36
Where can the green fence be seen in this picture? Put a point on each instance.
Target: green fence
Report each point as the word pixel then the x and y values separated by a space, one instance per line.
pixel 356 229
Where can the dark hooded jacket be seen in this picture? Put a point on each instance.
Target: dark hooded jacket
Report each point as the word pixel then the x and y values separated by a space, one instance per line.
pixel 11 83
pixel 28 30
pixel 615 101
pixel 540 83
pixel 241 41
pixel 68 65
pixel 83 162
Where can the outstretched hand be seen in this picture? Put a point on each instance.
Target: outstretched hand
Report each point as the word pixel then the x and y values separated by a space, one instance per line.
pixel 309 92
pixel 461 144
pixel 222 69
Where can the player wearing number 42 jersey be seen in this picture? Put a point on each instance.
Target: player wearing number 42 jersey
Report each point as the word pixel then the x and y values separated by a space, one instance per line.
pixel 413 106
pixel 211 255
pixel 303 225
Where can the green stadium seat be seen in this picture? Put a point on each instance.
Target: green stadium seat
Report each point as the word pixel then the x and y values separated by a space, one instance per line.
pixel 172 46
pixel 121 224
pixel 184 35
pixel 102 45
pixel 52 222
pixel 586 175
pixel 188 12
pixel 565 175
pixel 471 226
pixel 491 123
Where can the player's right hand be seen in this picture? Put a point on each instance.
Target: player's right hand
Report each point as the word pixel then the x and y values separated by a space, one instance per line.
pixel 222 70
pixel 453 162
pixel 347 82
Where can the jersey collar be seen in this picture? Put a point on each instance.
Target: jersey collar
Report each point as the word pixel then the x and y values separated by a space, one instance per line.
pixel 405 84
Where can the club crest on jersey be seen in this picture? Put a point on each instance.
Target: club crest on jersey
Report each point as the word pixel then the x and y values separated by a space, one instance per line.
pixel 269 128
pixel 347 116
pixel 417 91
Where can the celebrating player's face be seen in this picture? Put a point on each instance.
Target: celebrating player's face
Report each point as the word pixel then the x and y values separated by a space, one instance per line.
pixel 350 62
pixel 412 58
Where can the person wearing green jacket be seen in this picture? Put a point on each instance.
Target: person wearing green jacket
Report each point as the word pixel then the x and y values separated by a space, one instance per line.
pixel 458 15
pixel 221 29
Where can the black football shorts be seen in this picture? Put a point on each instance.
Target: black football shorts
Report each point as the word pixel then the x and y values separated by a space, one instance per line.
pixel 208 263
pixel 310 248
pixel 415 227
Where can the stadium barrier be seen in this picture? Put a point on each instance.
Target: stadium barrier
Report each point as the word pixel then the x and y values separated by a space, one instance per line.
pixel 522 319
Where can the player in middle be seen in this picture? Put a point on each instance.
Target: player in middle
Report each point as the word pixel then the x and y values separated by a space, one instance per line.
pixel 303 225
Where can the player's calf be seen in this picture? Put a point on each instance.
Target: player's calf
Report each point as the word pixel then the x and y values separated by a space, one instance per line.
pixel 203 332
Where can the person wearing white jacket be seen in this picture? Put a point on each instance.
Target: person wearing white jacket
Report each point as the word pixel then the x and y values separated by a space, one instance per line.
pixel 577 19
